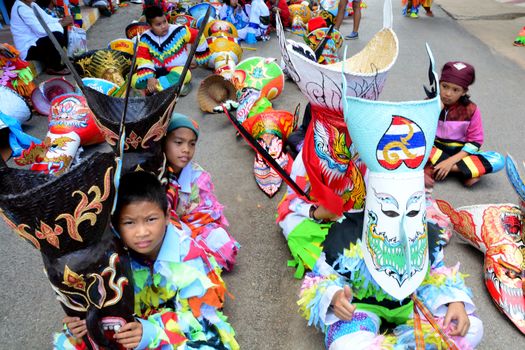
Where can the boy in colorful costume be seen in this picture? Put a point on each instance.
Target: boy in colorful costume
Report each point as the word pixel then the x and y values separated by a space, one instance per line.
pixel 177 293
pixel 378 260
pixel 162 53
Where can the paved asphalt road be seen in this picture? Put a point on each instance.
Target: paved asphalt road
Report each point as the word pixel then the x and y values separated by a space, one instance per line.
pixel 264 312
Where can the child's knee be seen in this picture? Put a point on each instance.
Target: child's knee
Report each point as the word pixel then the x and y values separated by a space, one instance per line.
pixel 361 332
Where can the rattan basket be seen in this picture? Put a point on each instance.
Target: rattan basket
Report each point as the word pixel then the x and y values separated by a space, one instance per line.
pixel 59 214
pixel 147 119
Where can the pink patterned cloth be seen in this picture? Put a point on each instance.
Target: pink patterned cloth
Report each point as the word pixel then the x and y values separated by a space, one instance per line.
pixel 193 204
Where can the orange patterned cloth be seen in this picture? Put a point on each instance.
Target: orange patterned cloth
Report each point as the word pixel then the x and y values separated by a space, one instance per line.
pixel 15 73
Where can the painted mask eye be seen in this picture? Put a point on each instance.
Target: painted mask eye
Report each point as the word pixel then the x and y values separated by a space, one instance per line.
pixel 510 270
pixel 512 274
pixel 412 213
pixel 390 213
pixel 343 156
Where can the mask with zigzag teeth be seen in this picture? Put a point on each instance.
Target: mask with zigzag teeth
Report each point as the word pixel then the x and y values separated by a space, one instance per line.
pixel 497 231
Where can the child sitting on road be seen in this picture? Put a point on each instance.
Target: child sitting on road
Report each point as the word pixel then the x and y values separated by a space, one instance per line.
pixel 259 19
pixel 162 53
pixel 234 13
pixel 460 131
pixel 178 296
pixel 190 192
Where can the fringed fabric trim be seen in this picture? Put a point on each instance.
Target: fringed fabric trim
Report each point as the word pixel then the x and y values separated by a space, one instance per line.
pixel 312 290
pixel 351 263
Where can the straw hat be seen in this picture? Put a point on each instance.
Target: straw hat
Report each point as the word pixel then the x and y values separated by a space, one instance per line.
pixel 213 91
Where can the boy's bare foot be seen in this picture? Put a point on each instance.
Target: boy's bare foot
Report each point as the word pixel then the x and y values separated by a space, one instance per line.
pixel 470 182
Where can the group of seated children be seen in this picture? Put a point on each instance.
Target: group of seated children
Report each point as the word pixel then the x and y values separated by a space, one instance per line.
pixel 179 295
pixel 252 20
pixel 163 49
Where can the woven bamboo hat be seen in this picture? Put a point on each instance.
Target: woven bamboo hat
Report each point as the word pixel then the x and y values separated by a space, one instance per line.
pixel 213 91
pixel 134 29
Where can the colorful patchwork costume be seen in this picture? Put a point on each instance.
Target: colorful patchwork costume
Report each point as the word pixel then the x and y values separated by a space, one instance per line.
pixel 344 265
pixel 193 205
pixel 177 299
pixel 183 287
pixel 164 57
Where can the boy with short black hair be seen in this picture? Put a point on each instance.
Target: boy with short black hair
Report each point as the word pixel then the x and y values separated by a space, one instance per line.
pixel 177 297
pixel 162 53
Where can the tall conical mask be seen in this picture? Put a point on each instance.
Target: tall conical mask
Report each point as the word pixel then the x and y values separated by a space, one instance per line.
pixel 394 139
pixel 334 169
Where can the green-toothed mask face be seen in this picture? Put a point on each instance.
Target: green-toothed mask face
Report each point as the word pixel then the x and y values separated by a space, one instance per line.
pixel 395 232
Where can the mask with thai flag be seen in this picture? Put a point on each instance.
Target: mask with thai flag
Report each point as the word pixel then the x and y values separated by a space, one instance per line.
pixel 394 140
